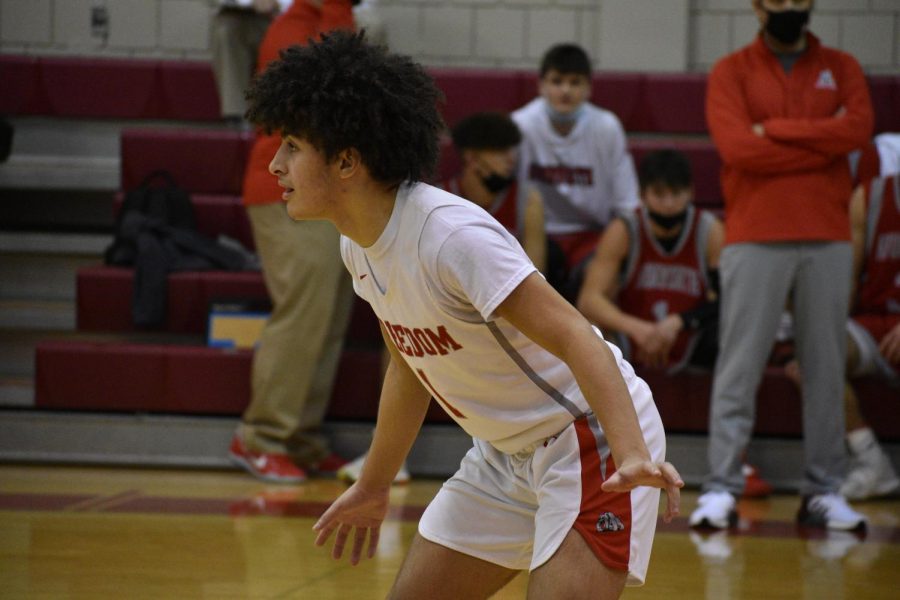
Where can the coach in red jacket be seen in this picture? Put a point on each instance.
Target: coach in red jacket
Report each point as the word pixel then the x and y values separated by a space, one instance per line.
pixel 784 112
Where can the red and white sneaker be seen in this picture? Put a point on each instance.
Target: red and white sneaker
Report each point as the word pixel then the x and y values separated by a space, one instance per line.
pixel 329 466
pixel 268 466
pixel 754 485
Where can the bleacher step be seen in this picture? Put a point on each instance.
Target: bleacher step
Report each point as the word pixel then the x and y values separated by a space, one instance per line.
pixel 16 392
pixel 37 242
pixel 201 442
pixel 47 171
pixel 37 315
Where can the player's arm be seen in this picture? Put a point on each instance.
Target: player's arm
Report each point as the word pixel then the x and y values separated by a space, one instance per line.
pixel 363 506
pixel 548 320
pixel 534 238
pixel 849 128
pixel 596 299
pixel 732 130
pixel 401 411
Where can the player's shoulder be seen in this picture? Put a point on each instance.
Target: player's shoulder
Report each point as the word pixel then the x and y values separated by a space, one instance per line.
pixel 527 115
pixel 601 117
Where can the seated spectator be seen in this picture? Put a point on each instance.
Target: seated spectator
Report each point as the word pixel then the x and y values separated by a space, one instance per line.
pixel 575 154
pixel 487 144
pixel 653 281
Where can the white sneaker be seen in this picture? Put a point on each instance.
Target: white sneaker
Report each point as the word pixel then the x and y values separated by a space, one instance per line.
pixel 350 472
pixel 715 509
pixel 836 545
pixel 831 511
pixel 715 548
pixel 871 473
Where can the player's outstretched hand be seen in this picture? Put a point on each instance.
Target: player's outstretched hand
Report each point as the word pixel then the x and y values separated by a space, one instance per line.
pixel 643 472
pixel 360 509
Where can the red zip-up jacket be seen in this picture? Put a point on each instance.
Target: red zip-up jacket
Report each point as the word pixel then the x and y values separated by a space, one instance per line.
pixel 794 183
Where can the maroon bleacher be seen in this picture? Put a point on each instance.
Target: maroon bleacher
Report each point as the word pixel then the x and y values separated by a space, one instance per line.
pixel 202 161
pixel 167 378
pixel 104 295
pixel 191 157
pixel 108 88
pixel 216 214
pixel 198 380
pixel 176 89
pixel 75 375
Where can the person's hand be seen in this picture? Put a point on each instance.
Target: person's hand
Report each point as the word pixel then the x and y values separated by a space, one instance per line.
pixel 649 345
pixel 669 328
pixel 655 340
pixel 360 509
pixel 890 345
pixel 644 472
pixel 792 370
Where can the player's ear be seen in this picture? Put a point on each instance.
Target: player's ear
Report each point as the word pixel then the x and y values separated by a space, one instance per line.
pixel 349 162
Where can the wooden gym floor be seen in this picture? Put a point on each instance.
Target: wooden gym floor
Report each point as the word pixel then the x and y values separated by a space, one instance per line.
pixel 81 532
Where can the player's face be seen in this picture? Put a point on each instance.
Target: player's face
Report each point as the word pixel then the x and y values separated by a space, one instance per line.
pixel 565 92
pixel 305 176
pixel 498 162
pixel 663 200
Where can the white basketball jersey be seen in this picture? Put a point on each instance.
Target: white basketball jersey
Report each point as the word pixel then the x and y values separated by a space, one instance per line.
pixel 434 278
pixel 583 177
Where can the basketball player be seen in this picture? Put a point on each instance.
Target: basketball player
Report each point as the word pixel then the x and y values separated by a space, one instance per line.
pixel 653 280
pixel 488 145
pixel 568 446
pixel 575 154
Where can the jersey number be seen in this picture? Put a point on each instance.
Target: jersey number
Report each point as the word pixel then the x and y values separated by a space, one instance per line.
pixel 452 409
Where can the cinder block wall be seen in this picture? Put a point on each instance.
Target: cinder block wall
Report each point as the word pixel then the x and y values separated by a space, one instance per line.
pixel 642 35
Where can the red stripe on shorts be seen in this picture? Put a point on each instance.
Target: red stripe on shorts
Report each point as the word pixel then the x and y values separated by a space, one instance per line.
pixel 602 513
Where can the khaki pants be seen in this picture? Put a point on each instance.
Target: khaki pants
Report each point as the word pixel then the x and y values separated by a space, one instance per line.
pixel 234 44
pixel 298 353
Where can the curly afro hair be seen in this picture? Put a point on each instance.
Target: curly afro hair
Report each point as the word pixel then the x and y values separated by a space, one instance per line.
pixel 342 92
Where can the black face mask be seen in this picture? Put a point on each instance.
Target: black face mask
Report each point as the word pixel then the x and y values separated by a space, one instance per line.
pixel 786 26
pixel 668 221
pixel 495 183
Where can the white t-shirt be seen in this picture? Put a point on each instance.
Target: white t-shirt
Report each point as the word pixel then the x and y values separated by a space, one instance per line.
pixel 583 177
pixel 434 278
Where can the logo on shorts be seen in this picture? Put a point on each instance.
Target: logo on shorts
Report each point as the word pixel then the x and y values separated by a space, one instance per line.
pixel 609 522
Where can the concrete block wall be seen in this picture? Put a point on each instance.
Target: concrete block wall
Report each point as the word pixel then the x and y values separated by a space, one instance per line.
pixel 633 35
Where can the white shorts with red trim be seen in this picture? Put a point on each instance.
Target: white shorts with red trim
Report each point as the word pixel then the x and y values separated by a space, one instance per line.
pixel 515 510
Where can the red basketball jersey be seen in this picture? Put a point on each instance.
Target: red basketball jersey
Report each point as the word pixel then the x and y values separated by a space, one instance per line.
pixel 657 282
pixel 879 290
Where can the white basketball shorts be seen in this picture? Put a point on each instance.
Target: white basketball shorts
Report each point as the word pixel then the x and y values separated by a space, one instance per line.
pixel 515 510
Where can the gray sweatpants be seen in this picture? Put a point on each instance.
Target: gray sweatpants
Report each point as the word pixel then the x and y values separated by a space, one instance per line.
pixel 756 280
